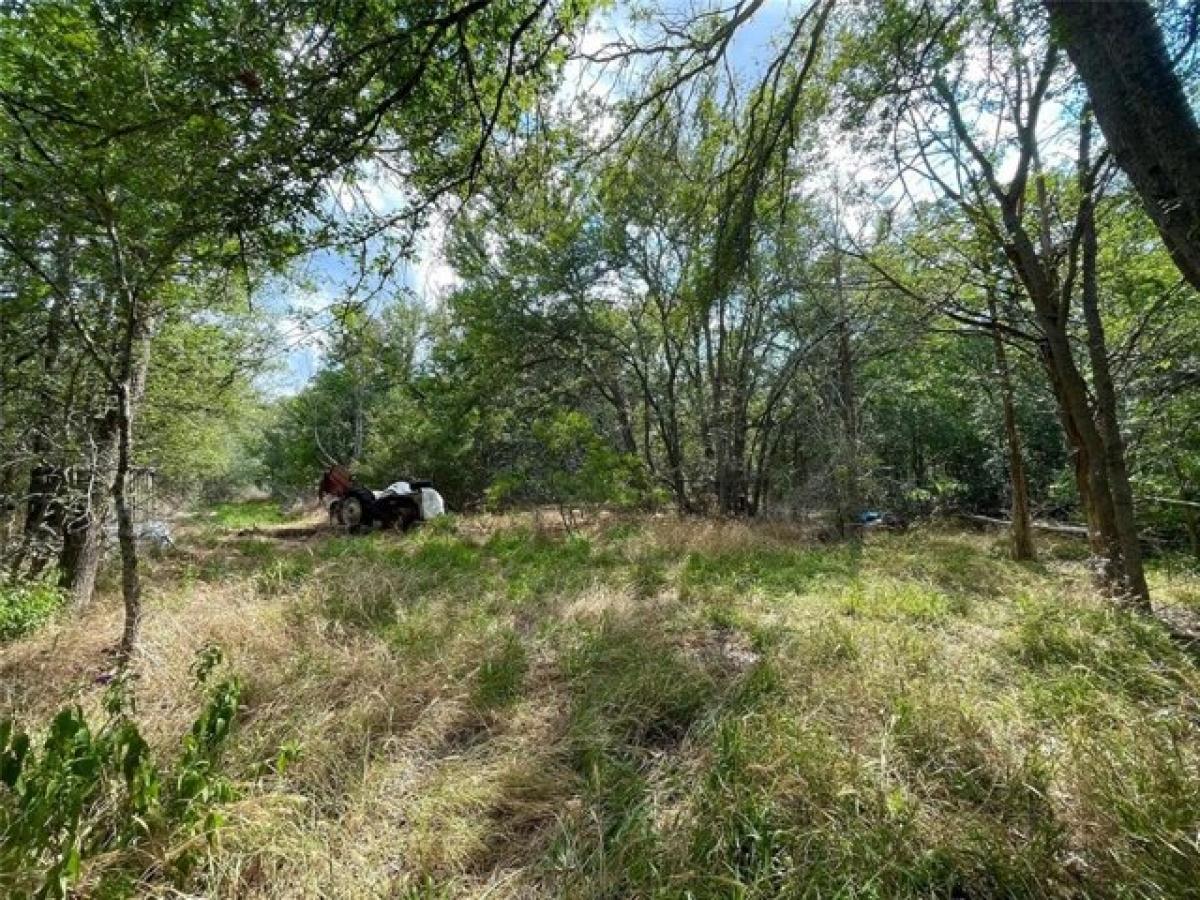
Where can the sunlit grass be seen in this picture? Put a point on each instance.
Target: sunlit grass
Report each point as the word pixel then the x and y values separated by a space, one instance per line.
pixel 245 514
pixel 655 708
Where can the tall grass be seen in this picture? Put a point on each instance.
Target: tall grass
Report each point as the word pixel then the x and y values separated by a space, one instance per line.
pixel 652 708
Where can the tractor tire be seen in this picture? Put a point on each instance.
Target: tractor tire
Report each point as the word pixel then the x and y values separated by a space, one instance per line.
pixel 409 516
pixel 357 510
pixel 392 511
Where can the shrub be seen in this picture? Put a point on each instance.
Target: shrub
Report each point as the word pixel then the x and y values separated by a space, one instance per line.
pixel 26 606
pixel 576 470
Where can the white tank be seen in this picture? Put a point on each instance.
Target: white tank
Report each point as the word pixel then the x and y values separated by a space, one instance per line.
pixel 432 503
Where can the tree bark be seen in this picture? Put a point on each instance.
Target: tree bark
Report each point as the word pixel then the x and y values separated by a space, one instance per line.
pixel 129 393
pixel 1141 107
pixel 43 517
pixel 1133 585
pixel 131 587
pixel 1022 521
pixel 848 480
pixel 128 387
pixel 79 562
pixel 83 528
pixel 1092 466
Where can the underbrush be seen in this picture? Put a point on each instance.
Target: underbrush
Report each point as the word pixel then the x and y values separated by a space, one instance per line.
pixel 27 606
pixel 650 708
pixel 87 809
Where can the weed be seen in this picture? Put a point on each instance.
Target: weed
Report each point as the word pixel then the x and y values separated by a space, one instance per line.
pixel 283 575
pixel 96 799
pixel 26 607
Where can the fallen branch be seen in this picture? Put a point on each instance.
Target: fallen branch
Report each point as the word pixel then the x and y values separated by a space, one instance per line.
pixel 1052 527
pixel 1170 501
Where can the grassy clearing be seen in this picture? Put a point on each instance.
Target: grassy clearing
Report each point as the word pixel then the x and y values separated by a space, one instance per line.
pixel 658 708
pixel 236 514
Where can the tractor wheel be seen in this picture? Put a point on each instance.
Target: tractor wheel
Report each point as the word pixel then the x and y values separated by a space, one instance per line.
pixel 357 510
pixel 409 516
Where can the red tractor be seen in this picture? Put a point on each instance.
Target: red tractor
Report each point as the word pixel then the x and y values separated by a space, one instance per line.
pixel 401 505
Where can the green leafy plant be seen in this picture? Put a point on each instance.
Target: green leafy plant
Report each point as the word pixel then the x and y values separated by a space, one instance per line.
pixel 577 470
pixel 27 606
pixel 96 795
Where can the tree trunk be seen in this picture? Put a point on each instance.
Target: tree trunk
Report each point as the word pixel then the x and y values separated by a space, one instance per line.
pixel 620 401
pixel 848 476
pixel 1133 578
pixel 79 562
pixel 1022 520
pixel 136 358
pixel 131 586
pixel 83 528
pixel 1143 111
pixel 1075 409
pixel 1102 515
pixel 43 514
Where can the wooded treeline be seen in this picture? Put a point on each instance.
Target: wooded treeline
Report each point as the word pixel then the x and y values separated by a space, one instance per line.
pixel 738 314
pixel 889 263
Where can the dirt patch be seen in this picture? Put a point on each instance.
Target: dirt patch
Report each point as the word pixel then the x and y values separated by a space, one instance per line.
pixel 723 650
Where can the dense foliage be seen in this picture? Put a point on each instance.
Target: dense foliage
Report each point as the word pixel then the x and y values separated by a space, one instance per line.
pixel 721 306
pixel 159 162
pixel 790 338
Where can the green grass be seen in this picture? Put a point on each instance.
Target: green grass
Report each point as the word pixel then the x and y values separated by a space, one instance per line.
pixel 237 514
pixel 657 709
pixel 500 676
pixel 772 572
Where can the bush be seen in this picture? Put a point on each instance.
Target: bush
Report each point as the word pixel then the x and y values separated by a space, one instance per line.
pixel 27 606
pixel 577 469
pixel 98 796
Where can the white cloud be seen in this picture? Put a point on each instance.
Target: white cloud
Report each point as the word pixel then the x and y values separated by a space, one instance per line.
pixel 372 190
pixel 431 276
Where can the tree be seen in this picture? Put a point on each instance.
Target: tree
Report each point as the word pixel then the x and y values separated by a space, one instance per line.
pixel 1142 108
pixel 956 130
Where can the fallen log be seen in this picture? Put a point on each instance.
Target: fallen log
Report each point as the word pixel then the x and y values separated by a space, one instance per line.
pixel 1170 501
pixel 1051 527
